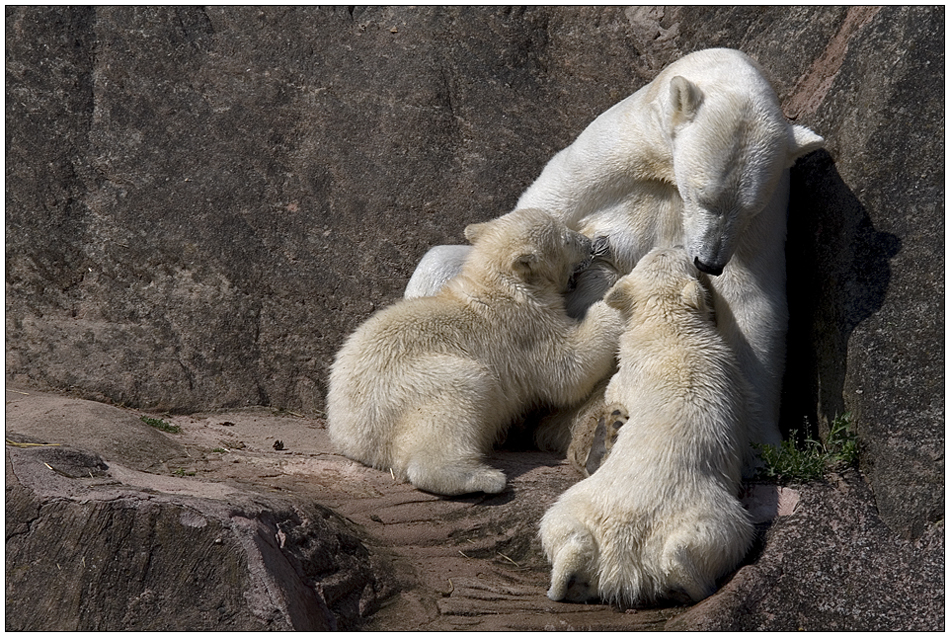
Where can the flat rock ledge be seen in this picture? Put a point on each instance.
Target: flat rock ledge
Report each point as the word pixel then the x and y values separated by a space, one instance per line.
pixel 246 520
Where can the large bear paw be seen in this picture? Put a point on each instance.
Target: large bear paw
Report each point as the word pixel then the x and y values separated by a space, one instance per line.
pixel 605 435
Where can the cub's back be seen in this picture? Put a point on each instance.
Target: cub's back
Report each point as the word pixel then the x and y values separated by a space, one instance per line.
pixel 399 334
pixel 687 399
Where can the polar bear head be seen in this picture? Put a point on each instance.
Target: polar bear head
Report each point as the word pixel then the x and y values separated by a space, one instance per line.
pixel 731 146
pixel 528 248
pixel 665 278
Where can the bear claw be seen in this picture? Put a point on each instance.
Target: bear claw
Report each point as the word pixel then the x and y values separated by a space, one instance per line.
pixel 603 441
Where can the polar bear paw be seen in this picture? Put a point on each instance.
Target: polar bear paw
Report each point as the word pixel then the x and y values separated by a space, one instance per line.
pixel 456 480
pixel 487 480
pixel 605 435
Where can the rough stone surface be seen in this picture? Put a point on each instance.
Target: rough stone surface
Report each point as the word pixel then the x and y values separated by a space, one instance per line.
pixel 866 230
pixel 226 534
pixel 837 538
pixel 164 550
pixel 201 203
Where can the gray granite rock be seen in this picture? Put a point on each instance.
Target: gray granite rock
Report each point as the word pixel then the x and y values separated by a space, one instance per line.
pixel 201 203
pixel 95 544
pixel 833 565
pixel 866 241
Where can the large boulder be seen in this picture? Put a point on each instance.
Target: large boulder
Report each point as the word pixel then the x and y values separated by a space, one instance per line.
pixel 224 530
pixel 830 566
pixel 100 537
pixel 202 202
pixel 866 226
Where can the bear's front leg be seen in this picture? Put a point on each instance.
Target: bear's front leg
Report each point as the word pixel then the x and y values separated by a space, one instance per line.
pixel 586 356
pixel 437 266
pixel 589 287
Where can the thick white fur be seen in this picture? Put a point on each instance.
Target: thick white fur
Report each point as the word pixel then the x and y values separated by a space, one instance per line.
pixel 426 386
pixel 699 157
pixel 444 262
pixel 660 517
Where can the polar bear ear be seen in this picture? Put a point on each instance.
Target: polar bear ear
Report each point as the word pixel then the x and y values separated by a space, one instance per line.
pixel 525 263
pixel 695 296
pixel 802 141
pixel 617 297
pixel 685 99
pixel 474 231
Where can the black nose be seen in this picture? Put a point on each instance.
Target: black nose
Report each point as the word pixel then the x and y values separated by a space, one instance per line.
pixel 708 269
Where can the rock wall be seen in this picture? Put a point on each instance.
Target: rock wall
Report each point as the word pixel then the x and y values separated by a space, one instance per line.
pixel 202 202
pixel 865 248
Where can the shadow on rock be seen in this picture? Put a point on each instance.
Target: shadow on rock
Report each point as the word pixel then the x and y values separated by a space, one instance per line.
pixel 838 274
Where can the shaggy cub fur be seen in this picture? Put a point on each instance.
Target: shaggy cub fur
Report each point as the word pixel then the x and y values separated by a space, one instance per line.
pixel 425 387
pixel 660 517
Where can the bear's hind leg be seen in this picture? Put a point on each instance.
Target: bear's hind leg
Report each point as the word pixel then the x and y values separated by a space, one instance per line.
pixel 594 437
pixel 684 573
pixel 572 551
pixel 441 447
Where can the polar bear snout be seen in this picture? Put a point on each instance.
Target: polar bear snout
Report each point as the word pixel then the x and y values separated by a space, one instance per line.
pixel 711 238
pixel 714 270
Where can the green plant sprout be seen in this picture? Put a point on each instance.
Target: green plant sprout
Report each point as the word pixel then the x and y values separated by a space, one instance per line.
pixel 788 462
pixel 842 440
pixel 161 425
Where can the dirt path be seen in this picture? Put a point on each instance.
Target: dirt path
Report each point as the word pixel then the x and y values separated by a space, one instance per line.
pixel 470 563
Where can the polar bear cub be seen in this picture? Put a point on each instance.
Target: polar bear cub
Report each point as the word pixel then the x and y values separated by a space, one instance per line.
pixel 660 518
pixel 425 387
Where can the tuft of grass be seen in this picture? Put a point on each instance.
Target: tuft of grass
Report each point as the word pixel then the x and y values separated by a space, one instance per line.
pixel 843 441
pixel 787 462
pixel 161 425
pixel 790 462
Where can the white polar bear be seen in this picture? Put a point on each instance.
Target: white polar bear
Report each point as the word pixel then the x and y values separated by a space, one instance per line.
pixel 660 517
pixel 426 386
pixel 698 157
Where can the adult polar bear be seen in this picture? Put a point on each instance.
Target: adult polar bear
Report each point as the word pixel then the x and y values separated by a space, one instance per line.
pixel 698 157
